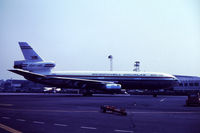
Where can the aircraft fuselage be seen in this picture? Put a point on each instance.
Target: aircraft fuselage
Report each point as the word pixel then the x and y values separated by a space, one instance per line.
pixel 128 80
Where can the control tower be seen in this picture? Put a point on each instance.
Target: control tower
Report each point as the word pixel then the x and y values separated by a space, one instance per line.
pixel 110 57
pixel 136 66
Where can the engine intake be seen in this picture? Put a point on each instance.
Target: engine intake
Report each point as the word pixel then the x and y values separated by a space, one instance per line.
pixel 19 64
pixel 113 86
pixel 34 66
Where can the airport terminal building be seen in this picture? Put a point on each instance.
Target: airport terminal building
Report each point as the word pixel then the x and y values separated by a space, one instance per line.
pixel 187 83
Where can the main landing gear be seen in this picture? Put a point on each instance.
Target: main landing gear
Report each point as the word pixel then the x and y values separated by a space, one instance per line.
pixel 86 93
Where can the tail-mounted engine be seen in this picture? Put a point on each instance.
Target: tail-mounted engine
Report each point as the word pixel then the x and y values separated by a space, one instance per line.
pixel 34 66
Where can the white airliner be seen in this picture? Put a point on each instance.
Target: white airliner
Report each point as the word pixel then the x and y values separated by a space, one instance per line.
pixel 35 69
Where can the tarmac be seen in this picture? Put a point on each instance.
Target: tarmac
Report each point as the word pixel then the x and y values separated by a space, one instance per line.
pixel 60 113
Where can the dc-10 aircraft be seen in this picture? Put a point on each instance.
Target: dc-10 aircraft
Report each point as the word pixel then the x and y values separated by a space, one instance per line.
pixel 35 69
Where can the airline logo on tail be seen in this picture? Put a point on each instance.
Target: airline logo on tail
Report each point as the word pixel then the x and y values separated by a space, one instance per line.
pixel 33 62
pixel 29 53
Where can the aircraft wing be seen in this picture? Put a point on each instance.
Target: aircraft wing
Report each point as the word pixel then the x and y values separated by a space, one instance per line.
pixel 65 82
pixel 26 73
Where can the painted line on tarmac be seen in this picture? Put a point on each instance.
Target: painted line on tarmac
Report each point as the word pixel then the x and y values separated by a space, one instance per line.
pixel 95 111
pixel 164 112
pixel 58 124
pixel 59 111
pixel 7 118
pixel 123 131
pixel 22 120
pixel 162 100
pixel 9 129
pixel 91 128
pixel 7 105
pixel 38 122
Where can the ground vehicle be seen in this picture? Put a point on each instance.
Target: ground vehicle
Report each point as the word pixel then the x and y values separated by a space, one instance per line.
pixel 193 100
pixel 112 109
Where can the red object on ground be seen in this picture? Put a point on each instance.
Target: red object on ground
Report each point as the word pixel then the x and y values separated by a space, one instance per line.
pixel 112 109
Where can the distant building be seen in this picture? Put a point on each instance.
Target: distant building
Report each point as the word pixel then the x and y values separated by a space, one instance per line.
pixel 1 85
pixel 1 82
pixel 187 83
pixel 12 85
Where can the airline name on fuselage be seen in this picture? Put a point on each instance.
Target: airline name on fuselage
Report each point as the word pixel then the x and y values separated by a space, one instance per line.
pixel 117 74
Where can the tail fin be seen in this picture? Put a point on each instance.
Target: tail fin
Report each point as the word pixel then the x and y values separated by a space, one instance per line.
pixel 29 53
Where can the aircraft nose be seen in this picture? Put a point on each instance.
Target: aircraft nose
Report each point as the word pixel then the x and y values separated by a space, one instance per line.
pixel 174 78
pixel 176 81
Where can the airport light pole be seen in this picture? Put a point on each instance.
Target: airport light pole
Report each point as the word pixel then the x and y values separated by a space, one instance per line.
pixel 110 57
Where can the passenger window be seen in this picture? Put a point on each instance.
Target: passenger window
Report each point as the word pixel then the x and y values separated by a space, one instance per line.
pixel 186 84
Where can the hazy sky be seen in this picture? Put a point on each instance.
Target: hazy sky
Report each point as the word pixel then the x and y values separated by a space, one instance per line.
pixel 164 35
